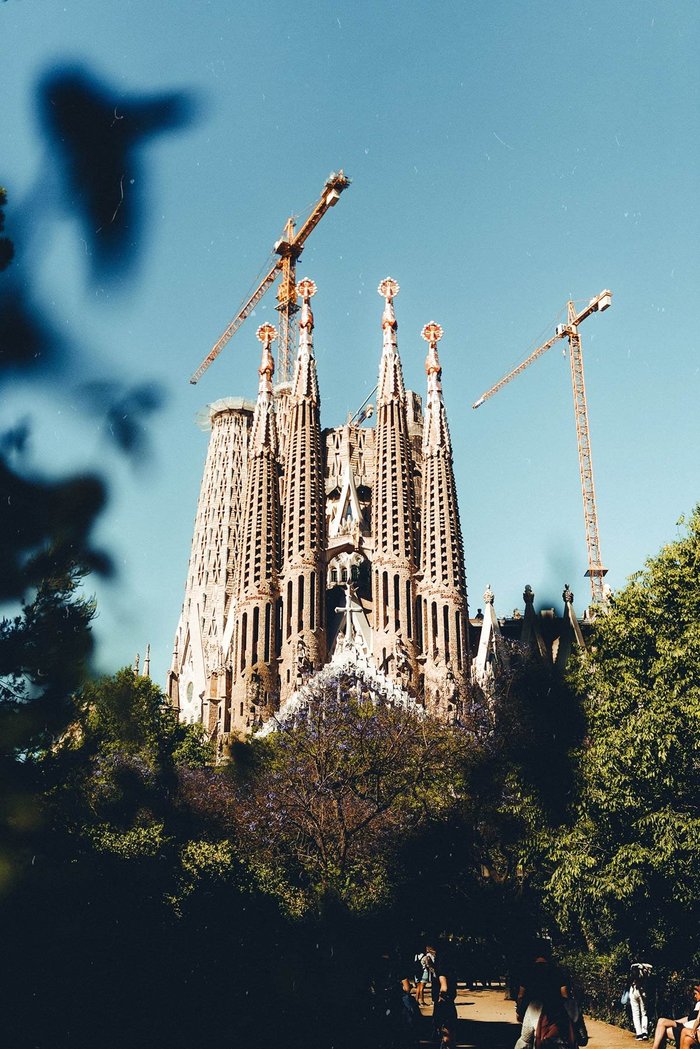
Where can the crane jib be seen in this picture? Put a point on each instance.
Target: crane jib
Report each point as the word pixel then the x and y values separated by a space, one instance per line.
pixel 289 247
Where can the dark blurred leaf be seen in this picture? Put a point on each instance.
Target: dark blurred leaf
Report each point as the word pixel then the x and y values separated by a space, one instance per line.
pixel 124 410
pixel 97 135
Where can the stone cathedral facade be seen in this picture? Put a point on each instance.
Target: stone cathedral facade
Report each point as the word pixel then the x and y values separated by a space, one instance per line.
pixel 314 548
pixel 313 543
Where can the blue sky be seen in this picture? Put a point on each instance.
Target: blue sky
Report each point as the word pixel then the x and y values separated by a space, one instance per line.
pixel 504 156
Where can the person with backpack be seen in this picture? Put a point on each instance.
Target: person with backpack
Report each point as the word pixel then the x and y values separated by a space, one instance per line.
pixel 425 973
pixel 550 1016
pixel 543 979
pixel 638 986
pixel 553 1023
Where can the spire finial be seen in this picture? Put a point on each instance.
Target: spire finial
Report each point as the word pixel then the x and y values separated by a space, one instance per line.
pixel 567 594
pixel 528 595
pixel 306 289
pixel 488 594
pixel 389 289
pixel 266 333
pixel 432 333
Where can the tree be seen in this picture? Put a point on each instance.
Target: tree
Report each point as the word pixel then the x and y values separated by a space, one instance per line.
pixel 626 871
pixel 329 799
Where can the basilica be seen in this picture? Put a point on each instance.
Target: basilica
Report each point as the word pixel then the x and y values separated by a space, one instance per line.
pixel 318 549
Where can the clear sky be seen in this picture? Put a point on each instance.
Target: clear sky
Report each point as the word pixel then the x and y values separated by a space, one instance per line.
pixel 505 157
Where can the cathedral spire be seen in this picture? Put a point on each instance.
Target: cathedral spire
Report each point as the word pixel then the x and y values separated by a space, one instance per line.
pixel 303 521
pixel 436 434
pixel 393 512
pixel 255 691
pixel 305 381
pixel 391 384
pixel 443 585
pixel 264 433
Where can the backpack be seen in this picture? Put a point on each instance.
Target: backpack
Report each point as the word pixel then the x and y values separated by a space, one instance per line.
pixel 428 963
pixel 554 1032
pixel 640 972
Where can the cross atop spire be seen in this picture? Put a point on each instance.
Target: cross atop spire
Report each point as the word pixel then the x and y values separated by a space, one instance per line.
pixel 432 333
pixel 305 382
pixel 306 289
pixel 263 434
pixel 388 289
pixel 391 382
pixel 436 434
pixel 267 334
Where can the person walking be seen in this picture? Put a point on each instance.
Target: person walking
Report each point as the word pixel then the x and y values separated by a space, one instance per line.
pixel 426 968
pixel 445 1010
pixel 639 977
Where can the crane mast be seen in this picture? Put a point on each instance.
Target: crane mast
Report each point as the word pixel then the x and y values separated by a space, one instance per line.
pixel 596 572
pixel 289 247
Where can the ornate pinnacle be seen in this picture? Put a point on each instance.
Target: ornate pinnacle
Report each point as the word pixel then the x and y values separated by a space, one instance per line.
pixel 488 594
pixel 528 595
pixel 567 595
pixel 266 333
pixel 306 289
pixel 388 289
pixel 432 333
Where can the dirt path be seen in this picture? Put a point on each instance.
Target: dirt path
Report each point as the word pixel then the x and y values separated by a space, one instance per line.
pixel 487 1021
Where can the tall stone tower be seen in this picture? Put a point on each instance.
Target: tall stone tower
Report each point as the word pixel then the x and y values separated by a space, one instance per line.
pixel 200 642
pixel 255 680
pixel 442 587
pixel 393 512
pixel 303 523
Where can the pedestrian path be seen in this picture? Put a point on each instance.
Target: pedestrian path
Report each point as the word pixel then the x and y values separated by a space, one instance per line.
pixel 487 1021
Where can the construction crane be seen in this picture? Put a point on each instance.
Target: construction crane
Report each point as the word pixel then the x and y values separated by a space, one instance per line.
pixel 569 331
pixel 289 247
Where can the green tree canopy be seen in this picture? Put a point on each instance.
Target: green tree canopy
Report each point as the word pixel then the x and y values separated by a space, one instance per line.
pixel 627 869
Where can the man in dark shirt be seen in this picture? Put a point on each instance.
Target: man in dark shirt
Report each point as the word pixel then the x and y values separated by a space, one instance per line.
pixel 542 981
pixel 445 1011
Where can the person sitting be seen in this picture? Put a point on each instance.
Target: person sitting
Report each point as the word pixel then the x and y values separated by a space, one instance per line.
pixel 684 1030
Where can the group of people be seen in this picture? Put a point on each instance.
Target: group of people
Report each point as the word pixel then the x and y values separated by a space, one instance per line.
pixel 398 989
pixel 546 1008
pixel 683 1030
pixel 432 969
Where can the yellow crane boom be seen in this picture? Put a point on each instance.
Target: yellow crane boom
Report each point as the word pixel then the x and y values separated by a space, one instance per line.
pixel 601 302
pixel 289 247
